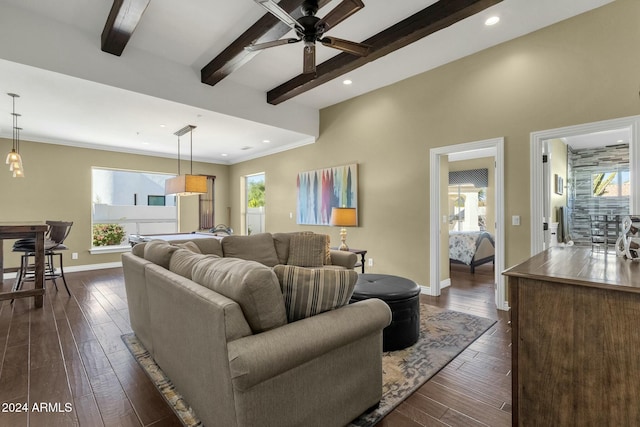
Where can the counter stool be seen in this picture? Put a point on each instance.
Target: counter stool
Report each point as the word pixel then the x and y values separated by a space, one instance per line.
pixel 403 298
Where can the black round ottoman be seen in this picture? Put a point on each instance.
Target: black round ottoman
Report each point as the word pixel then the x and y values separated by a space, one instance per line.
pixel 402 296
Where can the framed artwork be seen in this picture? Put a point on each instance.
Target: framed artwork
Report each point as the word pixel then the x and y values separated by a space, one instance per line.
pixel 323 189
pixel 559 184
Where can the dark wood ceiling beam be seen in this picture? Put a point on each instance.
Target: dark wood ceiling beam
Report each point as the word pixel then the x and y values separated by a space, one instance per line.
pixel 429 20
pixel 121 23
pixel 267 28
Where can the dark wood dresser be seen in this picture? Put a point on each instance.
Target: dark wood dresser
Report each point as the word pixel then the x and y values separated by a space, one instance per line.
pixel 576 339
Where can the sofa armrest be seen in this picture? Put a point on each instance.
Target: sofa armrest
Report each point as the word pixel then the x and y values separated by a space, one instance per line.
pixel 256 358
pixel 344 258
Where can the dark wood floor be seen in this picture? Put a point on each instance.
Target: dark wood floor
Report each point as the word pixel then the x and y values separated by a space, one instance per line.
pixel 68 360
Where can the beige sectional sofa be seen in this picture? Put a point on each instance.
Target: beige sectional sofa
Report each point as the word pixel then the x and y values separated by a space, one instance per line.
pixel 218 326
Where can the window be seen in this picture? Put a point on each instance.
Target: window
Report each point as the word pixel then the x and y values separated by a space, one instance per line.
pixel 467 208
pixel 128 202
pixel 614 183
pixel 255 216
pixel 468 199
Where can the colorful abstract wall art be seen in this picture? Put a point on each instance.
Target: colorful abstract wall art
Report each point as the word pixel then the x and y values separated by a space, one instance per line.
pixel 322 189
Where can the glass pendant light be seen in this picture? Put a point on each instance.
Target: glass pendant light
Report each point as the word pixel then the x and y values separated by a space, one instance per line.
pixel 14 160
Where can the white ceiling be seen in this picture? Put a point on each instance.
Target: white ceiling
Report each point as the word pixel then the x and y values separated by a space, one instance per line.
pixel 72 93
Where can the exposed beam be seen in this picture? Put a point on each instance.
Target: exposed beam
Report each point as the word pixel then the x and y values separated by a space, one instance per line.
pixel 429 20
pixel 121 23
pixel 267 28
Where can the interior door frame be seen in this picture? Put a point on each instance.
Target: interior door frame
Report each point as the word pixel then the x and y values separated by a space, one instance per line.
pixel 434 214
pixel 631 123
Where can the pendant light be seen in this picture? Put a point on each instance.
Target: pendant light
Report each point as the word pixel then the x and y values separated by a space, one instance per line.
pixel 14 160
pixel 187 184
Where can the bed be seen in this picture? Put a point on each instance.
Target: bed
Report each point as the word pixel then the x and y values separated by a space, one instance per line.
pixel 472 248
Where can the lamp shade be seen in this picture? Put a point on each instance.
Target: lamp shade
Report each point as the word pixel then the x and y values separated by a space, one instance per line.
pixel 185 185
pixel 344 217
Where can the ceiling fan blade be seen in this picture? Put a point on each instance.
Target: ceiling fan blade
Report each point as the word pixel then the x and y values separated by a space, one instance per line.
pixel 265 45
pixel 353 48
pixel 309 59
pixel 273 8
pixel 339 14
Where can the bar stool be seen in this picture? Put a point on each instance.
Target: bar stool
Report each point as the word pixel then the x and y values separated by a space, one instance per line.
pixel 57 233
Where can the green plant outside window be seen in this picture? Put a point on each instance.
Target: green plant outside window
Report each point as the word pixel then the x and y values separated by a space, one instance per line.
pixel 108 234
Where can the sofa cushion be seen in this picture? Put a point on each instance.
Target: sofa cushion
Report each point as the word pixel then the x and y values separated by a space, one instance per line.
pixel 252 285
pixel 309 250
pixel 159 252
pixel 281 241
pixel 309 291
pixel 210 246
pixel 256 247
pixel 138 249
pixel 190 246
pixel 183 260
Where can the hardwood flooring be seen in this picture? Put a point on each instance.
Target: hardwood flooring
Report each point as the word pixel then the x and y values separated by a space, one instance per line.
pixel 66 365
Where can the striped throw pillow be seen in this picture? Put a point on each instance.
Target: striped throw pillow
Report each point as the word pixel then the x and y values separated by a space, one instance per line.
pixel 309 250
pixel 309 291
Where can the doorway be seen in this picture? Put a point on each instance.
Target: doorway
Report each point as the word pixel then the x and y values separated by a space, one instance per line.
pixel 543 180
pixel 438 222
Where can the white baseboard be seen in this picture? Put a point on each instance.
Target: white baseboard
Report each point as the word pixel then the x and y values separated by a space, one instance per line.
pixel 75 268
pixel 445 283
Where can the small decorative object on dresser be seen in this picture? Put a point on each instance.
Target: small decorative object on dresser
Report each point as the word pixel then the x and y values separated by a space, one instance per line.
pixel 628 243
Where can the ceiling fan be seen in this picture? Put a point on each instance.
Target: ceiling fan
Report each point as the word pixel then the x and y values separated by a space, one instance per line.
pixel 310 29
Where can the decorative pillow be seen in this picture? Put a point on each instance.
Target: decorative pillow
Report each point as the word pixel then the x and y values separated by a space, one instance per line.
pixel 190 246
pixel 256 247
pixel 183 260
pixel 309 291
pixel 309 250
pixel 253 286
pixel 159 252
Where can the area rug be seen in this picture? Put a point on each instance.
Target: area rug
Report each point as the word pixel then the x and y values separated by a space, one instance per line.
pixel 443 335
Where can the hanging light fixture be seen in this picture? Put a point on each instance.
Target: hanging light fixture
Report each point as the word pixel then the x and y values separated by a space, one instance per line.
pixel 14 160
pixel 187 184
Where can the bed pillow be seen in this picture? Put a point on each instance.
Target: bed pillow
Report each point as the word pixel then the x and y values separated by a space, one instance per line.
pixel 309 291
pixel 309 250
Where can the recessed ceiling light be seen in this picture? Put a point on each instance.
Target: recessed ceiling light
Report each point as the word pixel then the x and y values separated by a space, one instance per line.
pixel 346 82
pixel 163 126
pixel 266 141
pixel 224 154
pixel 492 20
pixel 145 143
pixel 620 141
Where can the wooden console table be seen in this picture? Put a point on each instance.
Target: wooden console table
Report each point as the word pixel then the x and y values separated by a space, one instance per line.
pixel 575 319
pixel 18 231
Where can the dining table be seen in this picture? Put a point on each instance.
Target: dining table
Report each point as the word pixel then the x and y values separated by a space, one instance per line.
pixel 20 230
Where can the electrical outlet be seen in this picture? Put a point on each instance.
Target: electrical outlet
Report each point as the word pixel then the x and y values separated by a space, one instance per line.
pixel 290 215
pixel 74 255
pixel 370 263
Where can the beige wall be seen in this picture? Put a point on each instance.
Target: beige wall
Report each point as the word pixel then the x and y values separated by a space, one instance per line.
pixel 57 186
pixel 558 167
pixel 581 70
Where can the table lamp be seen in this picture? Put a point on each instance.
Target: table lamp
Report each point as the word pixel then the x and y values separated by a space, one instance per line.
pixel 343 217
